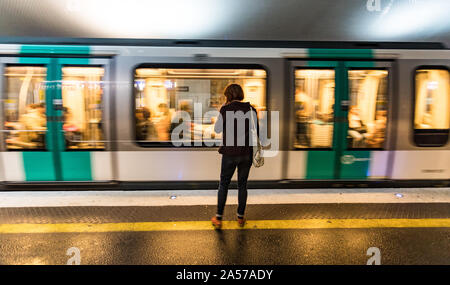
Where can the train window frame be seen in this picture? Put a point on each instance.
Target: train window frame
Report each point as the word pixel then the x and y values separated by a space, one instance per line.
pixel 66 149
pixel 3 98
pixel 168 144
pixel 388 96
pixel 294 133
pixel 416 133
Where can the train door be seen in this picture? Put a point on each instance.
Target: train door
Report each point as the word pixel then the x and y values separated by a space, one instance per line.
pixel 340 118
pixel 54 114
pixel 364 109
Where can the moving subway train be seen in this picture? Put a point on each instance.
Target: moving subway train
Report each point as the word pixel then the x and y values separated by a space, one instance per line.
pixel 100 113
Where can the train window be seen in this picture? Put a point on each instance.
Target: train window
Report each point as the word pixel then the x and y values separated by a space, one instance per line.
pixel 432 107
pixel 24 107
pixel 314 108
pixel 161 93
pixel 367 116
pixel 82 91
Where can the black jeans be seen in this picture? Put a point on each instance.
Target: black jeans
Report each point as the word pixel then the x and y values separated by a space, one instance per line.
pixel 229 164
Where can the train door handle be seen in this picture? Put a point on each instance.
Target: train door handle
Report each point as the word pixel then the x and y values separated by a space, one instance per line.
pixel 57 104
pixel 340 119
pixel 345 105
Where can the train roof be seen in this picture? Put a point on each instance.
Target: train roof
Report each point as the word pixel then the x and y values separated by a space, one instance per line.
pixel 222 43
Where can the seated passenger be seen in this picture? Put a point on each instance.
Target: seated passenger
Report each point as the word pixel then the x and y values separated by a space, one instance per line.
pixel 163 122
pixel 178 120
pixel 145 131
pixel 302 124
pixel 356 128
pixel 33 120
pixel 380 127
pixel 72 132
pixel 303 110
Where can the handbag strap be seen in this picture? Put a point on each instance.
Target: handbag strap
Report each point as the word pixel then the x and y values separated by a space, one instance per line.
pixel 253 127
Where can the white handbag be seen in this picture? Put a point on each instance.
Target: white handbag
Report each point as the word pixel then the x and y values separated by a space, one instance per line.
pixel 258 159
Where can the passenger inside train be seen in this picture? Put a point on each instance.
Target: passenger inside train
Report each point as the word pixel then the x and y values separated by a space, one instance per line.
pixel 31 128
pixel 356 128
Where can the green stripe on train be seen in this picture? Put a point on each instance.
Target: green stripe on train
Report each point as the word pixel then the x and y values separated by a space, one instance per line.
pixel 355 164
pixel 76 166
pixel 341 53
pixel 320 164
pixel 339 163
pixel 56 163
pixel 54 49
pixel 39 166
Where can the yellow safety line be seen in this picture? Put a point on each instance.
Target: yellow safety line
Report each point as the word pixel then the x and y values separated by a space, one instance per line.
pixel 227 225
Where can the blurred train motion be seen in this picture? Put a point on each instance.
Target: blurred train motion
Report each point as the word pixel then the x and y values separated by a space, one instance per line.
pixel 101 113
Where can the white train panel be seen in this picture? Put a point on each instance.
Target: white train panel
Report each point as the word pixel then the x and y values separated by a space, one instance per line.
pixel 423 164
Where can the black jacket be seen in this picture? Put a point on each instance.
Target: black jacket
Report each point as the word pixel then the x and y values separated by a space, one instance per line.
pixel 220 127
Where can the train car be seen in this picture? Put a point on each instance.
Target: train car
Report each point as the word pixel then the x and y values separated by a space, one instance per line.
pixel 99 113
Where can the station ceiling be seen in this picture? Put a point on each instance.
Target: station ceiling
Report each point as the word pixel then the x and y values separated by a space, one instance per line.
pixel 304 20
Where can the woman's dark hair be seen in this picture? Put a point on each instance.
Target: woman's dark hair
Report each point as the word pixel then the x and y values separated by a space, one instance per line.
pixel 234 92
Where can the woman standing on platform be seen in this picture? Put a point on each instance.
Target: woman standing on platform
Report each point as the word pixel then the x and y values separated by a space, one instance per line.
pixel 235 154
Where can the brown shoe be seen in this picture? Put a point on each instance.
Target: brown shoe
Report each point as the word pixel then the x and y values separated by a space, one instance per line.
pixel 241 222
pixel 217 224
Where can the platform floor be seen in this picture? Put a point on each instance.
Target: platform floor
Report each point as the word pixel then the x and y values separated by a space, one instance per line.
pixel 276 234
